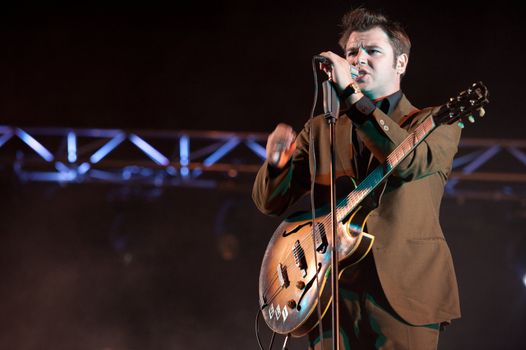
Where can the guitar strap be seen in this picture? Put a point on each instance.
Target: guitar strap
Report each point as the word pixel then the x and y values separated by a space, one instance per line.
pixel 365 160
pixel 385 107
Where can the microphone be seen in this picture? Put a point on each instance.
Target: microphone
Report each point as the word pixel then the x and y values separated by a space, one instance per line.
pixel 275 155
pixel 324 60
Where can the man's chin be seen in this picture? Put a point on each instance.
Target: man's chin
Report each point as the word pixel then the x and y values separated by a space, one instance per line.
pixel 364 87
pixel 368 92
pixel 363 83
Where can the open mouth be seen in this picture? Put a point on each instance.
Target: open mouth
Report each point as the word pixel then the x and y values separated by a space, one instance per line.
pixel 361 75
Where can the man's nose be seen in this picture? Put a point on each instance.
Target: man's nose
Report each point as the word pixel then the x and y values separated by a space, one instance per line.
pixel 361 58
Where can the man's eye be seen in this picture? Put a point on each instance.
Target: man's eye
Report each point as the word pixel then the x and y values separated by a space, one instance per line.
pixel 351 53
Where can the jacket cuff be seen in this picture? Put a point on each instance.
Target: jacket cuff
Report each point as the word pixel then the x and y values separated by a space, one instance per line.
pixel 361 110
pixel 274 172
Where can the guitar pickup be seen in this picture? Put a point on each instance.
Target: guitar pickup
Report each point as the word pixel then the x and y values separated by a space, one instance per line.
pixel 320 237
pixel 283 276
pixel 299 257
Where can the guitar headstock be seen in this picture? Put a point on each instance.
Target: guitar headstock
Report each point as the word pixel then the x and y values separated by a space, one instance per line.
pixel 468 104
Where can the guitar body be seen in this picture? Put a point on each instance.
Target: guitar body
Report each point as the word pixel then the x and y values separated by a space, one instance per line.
pixel 287 283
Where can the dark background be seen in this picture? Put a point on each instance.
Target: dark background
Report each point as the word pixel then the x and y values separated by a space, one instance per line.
pixel 121 267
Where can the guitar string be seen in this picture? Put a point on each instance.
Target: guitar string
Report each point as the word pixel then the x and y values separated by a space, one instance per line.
pixel 276 293
pixel 306 243
pixel 275 277
pixel 290 256
pixel 353 197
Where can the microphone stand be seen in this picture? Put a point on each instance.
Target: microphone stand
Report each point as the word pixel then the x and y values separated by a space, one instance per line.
pixel 331 107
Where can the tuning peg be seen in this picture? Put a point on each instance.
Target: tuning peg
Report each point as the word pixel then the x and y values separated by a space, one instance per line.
pixel 471 119
pixel 481 112
pixel 461 125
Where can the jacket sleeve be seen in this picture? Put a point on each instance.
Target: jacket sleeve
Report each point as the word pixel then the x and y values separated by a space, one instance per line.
pixel 275 189
pixel 435 154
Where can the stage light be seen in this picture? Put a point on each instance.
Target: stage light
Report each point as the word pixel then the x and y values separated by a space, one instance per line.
pixel 4 138
pixel 83 168
pixel 148 149
pixel 72 147
pixel 184 154
pixel 524 280
pixel 257 148
pixel 232 173
pixel 107 148
pixel 35 145
pixel 221 151
pixel 228 246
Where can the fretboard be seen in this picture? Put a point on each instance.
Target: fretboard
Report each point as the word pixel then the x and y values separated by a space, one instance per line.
pixel 375 178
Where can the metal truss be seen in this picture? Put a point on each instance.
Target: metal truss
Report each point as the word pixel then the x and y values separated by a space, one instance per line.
pixel 484 168
pixel 492 169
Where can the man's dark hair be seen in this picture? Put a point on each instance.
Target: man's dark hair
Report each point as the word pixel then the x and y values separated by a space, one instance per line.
pixel 361 20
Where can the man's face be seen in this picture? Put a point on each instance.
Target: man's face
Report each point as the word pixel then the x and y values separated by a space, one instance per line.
pixel 373 54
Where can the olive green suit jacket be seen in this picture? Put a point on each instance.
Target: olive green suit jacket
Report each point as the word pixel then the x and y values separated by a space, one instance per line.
pixel 412 258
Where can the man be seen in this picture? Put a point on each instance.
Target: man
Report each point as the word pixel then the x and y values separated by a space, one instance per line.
pixel 405 289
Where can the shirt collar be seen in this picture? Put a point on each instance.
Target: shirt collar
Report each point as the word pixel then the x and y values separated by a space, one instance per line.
pixel 388 103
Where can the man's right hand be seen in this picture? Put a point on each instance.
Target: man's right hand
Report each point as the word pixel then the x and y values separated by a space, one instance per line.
pixel 281 144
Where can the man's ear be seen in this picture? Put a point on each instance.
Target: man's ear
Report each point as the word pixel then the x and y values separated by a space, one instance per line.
pixel 401 63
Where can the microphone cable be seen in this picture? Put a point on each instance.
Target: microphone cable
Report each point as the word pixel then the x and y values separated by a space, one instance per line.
pixel 312 185
pixel 256 326
pixel 313 212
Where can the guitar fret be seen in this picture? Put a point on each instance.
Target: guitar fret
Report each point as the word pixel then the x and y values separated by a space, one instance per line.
pixel 363 189
pixel 378 174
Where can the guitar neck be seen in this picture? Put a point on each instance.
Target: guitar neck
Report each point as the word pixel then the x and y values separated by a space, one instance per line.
pixel 375 178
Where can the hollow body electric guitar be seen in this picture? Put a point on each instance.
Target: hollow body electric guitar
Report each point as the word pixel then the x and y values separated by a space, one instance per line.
pixel 300 249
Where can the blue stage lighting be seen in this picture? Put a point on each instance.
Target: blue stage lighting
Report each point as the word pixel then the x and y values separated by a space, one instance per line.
pixel 107 148
pixel 227 147
pixel 184 154
pixel 151 152
pixel 257 149
pixel 35 145
pixel 72 147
